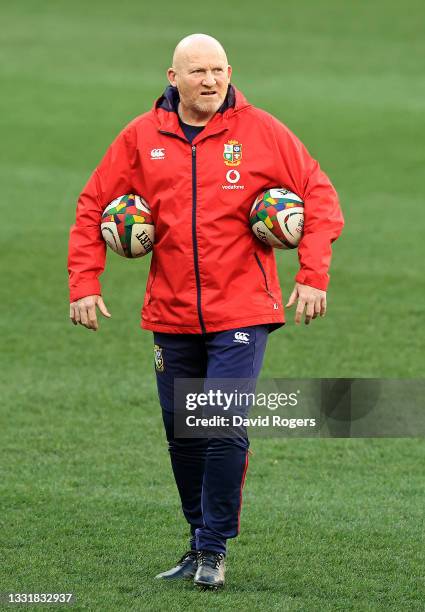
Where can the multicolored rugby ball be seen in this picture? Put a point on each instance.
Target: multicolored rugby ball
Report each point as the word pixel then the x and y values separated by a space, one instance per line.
pixel 127 226
pixel 277 218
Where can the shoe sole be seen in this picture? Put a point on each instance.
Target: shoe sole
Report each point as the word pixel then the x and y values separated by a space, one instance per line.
pixel 206 586
pixel 174 578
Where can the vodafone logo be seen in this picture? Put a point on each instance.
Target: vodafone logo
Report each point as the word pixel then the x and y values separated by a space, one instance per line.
pixel 157 154
pixel 233 177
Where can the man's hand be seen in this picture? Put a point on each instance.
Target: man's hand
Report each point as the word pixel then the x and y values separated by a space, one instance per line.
pixel 310 298
pixel 83 311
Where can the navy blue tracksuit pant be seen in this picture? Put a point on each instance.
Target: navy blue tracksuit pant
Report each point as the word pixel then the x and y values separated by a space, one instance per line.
pixel 209 473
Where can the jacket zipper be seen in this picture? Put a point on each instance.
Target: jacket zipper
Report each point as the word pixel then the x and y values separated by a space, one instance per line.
pixel 195 243
pixel 194 237
pixel 260 265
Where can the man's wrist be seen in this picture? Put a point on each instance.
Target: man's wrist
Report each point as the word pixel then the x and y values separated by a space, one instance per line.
pixel 313 279
pixel 84 289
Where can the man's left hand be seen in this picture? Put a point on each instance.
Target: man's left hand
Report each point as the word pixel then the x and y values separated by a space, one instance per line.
pixel 309 298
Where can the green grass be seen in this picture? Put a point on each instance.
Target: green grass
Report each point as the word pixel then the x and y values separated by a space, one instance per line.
pixel 88 503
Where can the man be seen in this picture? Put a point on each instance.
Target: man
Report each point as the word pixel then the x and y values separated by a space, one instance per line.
pixel 199 158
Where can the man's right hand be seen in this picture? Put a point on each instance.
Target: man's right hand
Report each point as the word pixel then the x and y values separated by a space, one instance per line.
pixel 83 311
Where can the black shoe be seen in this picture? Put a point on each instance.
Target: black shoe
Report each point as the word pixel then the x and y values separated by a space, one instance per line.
pixel 210 572
pixel 185 568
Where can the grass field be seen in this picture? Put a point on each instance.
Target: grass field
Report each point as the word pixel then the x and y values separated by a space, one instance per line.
pixel 88 503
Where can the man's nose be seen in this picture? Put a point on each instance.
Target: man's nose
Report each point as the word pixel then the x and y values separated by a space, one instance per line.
pixel 209 80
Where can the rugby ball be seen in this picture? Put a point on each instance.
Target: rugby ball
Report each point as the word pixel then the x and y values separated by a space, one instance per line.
pixel 277 218
pixel 127 226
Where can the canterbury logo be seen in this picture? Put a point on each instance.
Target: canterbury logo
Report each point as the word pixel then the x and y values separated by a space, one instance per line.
pixel 242 337
pixel 157 154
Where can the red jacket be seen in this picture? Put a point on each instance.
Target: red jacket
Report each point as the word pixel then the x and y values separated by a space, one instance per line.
pixel 208 271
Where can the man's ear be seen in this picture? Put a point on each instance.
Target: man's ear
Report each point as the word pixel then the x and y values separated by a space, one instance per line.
pixel 171 76
pixel 229 72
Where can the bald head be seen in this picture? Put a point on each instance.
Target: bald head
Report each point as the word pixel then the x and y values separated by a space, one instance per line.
pixel 201 73
pixel 195 45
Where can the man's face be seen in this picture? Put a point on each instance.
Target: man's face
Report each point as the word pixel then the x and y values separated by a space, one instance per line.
pixel 202 77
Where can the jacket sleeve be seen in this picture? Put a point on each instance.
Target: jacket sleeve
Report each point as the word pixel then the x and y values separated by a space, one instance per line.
pixel 112 178
pixel 323 219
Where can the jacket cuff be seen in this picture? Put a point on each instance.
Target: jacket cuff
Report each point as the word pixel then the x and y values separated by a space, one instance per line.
pixel 90 287
pixel 313 279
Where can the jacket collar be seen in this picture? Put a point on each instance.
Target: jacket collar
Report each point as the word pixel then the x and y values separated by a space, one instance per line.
pixel 169 101
pixel 165 109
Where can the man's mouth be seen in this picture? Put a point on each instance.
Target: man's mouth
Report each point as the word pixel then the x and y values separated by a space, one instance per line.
pixel 208 93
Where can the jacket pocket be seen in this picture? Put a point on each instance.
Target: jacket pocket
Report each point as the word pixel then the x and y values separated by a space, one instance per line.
pixel 266 283
pixel 149 289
